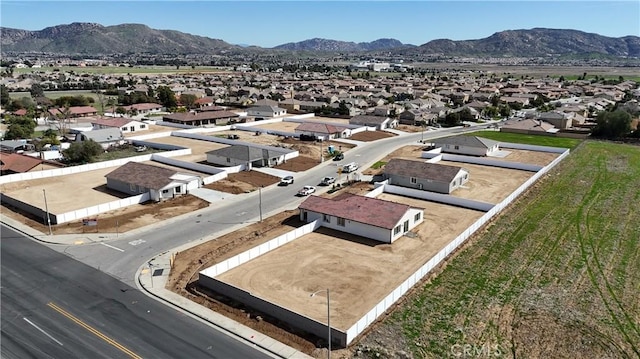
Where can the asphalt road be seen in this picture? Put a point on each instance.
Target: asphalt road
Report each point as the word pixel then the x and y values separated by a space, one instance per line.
pixel 135 250
pixel 56 307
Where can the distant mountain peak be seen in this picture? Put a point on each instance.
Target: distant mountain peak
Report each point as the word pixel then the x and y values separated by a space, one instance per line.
pixel 320 44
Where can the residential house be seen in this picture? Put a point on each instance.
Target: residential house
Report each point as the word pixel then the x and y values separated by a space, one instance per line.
pixel 11 163
pixel 266 111
pixel 433 177
pixel 236 155
pixel 202 118
pixel 16 146
pixel 143 108
pixel 323 130
pixel 379 122
pixel 134 178
pixel 529 126
pixel 467 145
pixel 380 220
pixel 106 137
pixel 417 118
pixel 73 112
pixel 559 119
pixel 126 125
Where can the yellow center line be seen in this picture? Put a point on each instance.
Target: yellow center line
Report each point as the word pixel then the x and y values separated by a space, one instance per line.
pixel 93 330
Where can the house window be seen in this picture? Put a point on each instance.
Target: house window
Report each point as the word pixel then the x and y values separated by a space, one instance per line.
pixel 341 222
pixel 132 129
pixel 456 147
pixel 132 187
pixel 414 180
pixel 416 218
pixel 143 126
pixel 228 160
pixel 397 230
pixel 165 191
pixel 179 189
pixel 124 129
pixel 326 218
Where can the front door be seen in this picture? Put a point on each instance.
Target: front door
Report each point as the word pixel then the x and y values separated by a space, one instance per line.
pixel 406 226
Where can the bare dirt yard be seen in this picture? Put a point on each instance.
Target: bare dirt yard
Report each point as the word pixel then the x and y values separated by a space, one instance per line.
pixel 368 136
pixel 198 148
pixel 150 130
pixel 117 221
pixel 243 182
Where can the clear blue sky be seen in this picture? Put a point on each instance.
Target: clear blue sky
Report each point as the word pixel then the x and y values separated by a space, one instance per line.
pixel 271 23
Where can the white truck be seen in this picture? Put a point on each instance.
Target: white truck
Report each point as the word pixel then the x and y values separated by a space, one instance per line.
pixel 349 167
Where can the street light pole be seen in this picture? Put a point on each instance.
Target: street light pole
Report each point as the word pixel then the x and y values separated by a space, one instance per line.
pixel 328 320
pixel 260 201
pixel 46 208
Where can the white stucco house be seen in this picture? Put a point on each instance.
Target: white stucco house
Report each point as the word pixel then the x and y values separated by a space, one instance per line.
pixel 126 125
pixel 433 177
pixel 467 145
pixel 266 111
pixel 161 183
pixel 380 220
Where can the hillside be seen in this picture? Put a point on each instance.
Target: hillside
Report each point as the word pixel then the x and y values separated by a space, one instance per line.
pixel 318 44
pixel 533 43
pixel 96 39
pixel 91 38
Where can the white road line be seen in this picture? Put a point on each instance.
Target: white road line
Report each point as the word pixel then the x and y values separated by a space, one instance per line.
pixel 42 331
pixel 112 247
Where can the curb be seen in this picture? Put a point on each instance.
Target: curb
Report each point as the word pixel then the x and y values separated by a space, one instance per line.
pixel 226 330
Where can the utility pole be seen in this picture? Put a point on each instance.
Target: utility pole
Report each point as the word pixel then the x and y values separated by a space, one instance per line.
pixel 260 199
pixel 46 208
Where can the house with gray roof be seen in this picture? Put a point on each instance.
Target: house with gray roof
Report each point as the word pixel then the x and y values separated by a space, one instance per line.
pixel 324 131
pixel 433 177
pixel 134 178
pixel 467 145
pixel 380 220
pixel 379 122
pixel 266 111
pixel 105 137
pixel 236 155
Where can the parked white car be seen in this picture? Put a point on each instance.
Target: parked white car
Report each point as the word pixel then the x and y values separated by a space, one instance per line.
pixel 327 181
pixel 306 190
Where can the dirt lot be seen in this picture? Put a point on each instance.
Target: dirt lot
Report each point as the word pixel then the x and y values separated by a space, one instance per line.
pixel 347 264
pixel 198 147
pixel 117 221
pixel 368 136
pixel 150 130
pixel 243 182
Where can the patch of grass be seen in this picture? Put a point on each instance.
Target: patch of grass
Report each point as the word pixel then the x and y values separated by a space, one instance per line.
pixel 550 141
pixel 378 165
pixel 564 257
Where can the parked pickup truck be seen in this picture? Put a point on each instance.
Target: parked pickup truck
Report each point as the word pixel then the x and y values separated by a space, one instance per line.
pixel 327 181
pixel 349 167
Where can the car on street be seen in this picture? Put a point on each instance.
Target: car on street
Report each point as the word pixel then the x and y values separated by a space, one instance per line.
pixel 339 157
pixel 327 181
pixel 285 181
pixel 306 190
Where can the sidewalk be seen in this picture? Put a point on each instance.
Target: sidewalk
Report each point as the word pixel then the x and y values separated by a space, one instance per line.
pixel 151 279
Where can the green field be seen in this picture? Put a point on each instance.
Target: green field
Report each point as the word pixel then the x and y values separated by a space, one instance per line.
pixel 528 139
pixel 557 275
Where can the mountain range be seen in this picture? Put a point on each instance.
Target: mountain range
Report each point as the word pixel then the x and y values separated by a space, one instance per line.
pixel 96 39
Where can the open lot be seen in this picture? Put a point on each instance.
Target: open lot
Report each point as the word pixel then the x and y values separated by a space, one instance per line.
pixel 150 130
pixel 556 275
pixel 198 148
pixel 488 184
pixel 360 271
pixel 64 193
pixel 526 156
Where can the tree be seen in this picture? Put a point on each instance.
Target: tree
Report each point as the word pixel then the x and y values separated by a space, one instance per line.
pixel 5 99
pixel 614 124
pixel 20 127
pixel 166 97
pixel 36 90
pixel 82 152
pixel 188 100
